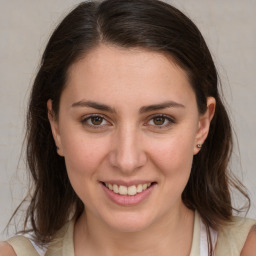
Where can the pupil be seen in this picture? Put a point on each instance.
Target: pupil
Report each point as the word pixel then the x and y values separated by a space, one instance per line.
pixel 159 120
pixel 97 120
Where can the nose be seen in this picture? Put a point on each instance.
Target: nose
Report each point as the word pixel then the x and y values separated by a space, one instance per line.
pixel 127 152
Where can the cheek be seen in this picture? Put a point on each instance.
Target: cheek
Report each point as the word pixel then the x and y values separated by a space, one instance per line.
pixel 173 154
pixel 83 153
pixel 83 157
pixel 173 159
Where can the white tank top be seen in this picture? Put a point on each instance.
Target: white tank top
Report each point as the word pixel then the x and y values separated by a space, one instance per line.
pixel 40 250
pixel 203 241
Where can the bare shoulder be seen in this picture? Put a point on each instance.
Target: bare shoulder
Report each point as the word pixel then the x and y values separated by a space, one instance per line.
pixel 249 248
pixel 6 249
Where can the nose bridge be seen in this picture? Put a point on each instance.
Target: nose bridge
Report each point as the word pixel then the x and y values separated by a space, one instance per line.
pixel 128 154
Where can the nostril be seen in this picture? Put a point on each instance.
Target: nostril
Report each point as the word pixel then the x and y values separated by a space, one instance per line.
pixel 127 155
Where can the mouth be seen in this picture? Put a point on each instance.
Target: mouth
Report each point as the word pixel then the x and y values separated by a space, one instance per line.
pixel 132 190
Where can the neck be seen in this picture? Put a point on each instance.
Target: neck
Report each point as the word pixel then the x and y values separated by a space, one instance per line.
pixel 172 232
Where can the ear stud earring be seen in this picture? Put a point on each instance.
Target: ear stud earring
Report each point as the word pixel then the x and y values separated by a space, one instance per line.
pixel 199 145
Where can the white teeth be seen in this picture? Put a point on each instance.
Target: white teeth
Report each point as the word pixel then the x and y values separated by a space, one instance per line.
pixel 139 188
pixel 131 190
pixel 144 186
pixel 123 190
pixel 115 188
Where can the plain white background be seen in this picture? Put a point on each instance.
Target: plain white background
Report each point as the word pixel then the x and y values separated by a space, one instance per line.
pixel 229 28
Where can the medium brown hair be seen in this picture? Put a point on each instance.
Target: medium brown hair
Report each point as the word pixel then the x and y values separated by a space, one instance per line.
pixel 148 24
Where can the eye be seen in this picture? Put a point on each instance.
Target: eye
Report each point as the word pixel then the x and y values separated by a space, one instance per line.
pixel 161 121
pixel 95 121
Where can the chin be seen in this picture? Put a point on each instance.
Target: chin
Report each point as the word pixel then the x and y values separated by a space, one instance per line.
pixel 129 223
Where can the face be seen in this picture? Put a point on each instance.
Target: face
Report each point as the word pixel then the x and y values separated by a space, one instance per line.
pixel 128 126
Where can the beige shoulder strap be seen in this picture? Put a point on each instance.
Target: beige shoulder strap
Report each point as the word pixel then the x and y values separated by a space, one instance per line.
pixel 195 250
pixel 62 244
pixel 22 246
pixel 231 239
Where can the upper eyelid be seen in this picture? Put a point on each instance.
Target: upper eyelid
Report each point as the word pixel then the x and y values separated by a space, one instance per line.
pixel 168 117
pixel 162 115
pixel 87 117
pixel 93 115
pixel 170 122
pixel 149 117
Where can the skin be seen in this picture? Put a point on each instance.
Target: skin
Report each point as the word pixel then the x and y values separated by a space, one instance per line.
pixel 6 249
pixel 129 145
pixel 249 248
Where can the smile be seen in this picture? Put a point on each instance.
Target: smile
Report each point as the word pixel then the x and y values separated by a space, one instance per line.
pixel 128 194
pixel 124 190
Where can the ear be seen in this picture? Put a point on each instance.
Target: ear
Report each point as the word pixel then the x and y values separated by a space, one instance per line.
pixel 54 127
pixel 204 124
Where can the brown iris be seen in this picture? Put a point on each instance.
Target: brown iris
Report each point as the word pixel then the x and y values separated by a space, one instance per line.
pixel 96 120
pixel 159 120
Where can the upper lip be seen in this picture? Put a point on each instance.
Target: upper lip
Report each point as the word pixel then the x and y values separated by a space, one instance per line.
pixel 127 183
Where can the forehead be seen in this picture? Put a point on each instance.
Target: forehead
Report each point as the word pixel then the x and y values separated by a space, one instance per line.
pixel 109 73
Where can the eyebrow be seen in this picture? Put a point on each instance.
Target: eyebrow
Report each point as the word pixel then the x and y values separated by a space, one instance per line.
pixel 168 104
pixel 144 109
pixel 93 104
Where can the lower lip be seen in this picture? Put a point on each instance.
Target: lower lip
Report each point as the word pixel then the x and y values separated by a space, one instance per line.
pixel 126 200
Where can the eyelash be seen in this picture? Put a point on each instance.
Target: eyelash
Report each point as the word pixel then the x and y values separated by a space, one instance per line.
pixel 87 118
pixel 167 118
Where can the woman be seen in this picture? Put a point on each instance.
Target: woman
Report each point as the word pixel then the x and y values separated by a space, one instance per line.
pixel 128 140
